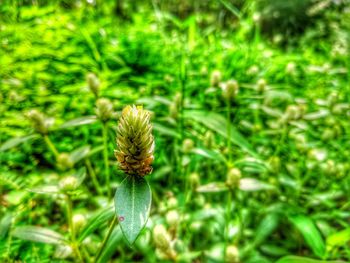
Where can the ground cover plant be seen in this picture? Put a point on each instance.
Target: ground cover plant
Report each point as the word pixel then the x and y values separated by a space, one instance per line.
pixel 175 131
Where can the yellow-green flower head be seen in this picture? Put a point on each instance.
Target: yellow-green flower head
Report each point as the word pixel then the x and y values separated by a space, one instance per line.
pixel 38 121
pixel 135 141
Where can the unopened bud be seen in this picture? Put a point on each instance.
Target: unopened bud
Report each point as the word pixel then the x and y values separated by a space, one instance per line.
pixel 261 85
pixel 161 237
pixel 172 218
pixel 293 112
pixel 79 222
pixel 64 161
pixel 233 177
pixel 232 254
pixel 68 184
pixel 208 139
pixel 290 68
pixel 104 109
pixel 275 164
pixel 187 145
pixel 172 202
pixel 215 78
pixel 194 180
pixel 94 83
pixel 38 121
pixel 230 89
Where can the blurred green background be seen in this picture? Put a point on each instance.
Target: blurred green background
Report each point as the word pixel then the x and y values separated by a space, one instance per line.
pixel 250 108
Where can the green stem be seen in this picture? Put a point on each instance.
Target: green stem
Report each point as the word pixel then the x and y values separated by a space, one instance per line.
pixel 75 246
pixel 93 176
pixel 105 158
pixel 104 242
pixel 228 131
pixel 228 213
pixel 51 145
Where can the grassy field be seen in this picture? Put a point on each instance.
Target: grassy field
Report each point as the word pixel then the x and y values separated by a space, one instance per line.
pixel 242 111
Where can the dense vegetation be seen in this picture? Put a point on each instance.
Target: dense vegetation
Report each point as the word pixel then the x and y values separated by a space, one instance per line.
pixel 249 105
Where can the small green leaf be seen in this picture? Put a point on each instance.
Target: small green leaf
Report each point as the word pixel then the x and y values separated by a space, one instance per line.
pixel 132 205
pixel 310 233
pixel 13 142
pixel 218 123
pixel 340 238
pixel 295 259
pixel 80 153
pixel 252 185
pixel 5 224
pixel 111 246
pixel 266 227
pixel 79 121
pixel 38 234
pixel 213 187
pixel 96 221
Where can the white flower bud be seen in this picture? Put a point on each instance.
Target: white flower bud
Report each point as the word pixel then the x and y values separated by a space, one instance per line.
pixel 215 78
pixel 161 237
pixel 69 183
pixel 233 177
pixel 232 254
pixel 172 218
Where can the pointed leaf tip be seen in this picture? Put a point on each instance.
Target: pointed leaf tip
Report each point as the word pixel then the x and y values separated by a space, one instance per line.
pixel 132 205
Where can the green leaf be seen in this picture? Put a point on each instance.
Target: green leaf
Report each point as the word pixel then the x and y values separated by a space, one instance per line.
pixel 296 259
pixel 80 175
pixel 132 205
pixel 266 227
pixel 340 238
pixel 44 189
pixel 79 121
pixel 218 123
pixel 310 233
pixel 111 246
pixel 5 224
pixel 96 221
pixel 80 153
pixel 13 142
pixel 38 234
pixel 252 185
pixel 165 130
pixel 213 187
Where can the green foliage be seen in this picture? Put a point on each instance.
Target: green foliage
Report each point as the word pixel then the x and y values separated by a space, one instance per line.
pixel 132 205
pixel 259 175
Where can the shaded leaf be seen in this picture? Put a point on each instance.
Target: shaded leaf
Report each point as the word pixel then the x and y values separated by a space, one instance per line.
pixel 111 246
pixel 310 233
pixel 97 221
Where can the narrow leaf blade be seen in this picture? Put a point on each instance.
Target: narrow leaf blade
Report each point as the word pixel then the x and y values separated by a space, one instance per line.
pixel 310 233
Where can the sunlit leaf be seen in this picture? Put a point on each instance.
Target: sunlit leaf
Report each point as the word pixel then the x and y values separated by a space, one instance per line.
pixel 13 142
pixel 218 124
pixel 296 259
pixel 132 205
pixel 38 234
pixel 79 121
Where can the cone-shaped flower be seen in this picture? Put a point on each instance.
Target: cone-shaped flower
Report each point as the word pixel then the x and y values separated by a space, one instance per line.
pixel 135 141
